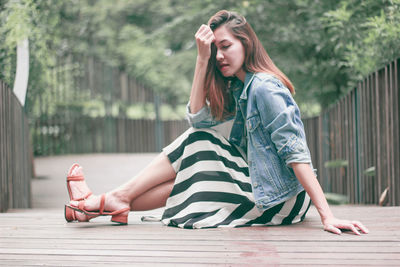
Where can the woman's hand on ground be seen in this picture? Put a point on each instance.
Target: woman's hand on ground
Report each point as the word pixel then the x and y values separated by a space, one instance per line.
pixel 204 38
pixel 334 225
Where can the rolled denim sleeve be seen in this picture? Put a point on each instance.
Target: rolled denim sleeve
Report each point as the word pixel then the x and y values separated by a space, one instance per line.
pixel 280 117
pixel 200 119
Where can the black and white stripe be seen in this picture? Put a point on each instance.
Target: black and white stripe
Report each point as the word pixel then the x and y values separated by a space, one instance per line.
pixel 212 187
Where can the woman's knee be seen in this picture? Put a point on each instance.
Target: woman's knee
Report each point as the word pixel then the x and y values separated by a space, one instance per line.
pixel 193 130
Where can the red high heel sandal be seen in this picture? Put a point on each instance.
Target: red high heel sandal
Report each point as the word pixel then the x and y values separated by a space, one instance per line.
pixel 69 213
pixel 118 216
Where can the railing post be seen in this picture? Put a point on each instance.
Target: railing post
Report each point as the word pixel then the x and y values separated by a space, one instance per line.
pixel 159 129
pixel 356 143
pixel 15 163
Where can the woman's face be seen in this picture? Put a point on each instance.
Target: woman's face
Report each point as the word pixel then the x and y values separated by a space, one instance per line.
pixel 230 53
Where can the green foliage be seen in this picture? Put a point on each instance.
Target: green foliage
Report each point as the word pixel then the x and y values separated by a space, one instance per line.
pixel 15 20
pixel 337 199
pixel 366 35
pixel 336 163
pixel 36 21
pixel 370 171
pixel 324 47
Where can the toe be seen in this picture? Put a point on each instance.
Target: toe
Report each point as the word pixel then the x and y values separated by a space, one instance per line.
pixel 74 203
pixel 81 217
pixel 72 169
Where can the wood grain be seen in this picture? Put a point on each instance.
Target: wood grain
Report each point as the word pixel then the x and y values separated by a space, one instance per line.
pixel 42 237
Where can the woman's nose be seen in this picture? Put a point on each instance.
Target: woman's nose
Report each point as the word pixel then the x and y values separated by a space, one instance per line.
pixel 219 56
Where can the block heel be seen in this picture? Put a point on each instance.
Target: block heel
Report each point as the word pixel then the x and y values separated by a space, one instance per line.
pixel 69 214
pixel 120 218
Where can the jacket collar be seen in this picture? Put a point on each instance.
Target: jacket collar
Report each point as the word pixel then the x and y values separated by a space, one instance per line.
pixel 247 81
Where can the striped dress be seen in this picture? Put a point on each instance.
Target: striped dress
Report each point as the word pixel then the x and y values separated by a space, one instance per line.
pixel 213 189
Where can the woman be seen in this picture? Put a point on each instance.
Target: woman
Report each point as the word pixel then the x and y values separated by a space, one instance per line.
pixel 261 175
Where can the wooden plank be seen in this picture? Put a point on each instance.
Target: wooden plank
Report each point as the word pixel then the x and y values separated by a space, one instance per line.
pixel 204 245
pixel 378 155
pixel 14 148
pixel 195 245
pixel 191 257
pixel 70 261
pixel 396 139
pixel 261 251
pixel 362 162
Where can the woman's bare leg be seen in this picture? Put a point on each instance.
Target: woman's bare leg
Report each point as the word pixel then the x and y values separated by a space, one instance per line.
pixel 153 198
pixel 158 172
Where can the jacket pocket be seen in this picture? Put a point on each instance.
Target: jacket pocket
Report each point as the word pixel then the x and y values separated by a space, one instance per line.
pixel 252 123
pixel 257 136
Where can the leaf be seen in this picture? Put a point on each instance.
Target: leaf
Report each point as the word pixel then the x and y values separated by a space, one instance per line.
pixel 383 199
pixel 336 163
pixel 336 199
pixel 370 171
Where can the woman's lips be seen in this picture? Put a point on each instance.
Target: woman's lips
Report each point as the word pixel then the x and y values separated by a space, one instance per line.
pixel 223 67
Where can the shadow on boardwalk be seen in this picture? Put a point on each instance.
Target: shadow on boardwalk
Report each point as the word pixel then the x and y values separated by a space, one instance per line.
pixel 41 236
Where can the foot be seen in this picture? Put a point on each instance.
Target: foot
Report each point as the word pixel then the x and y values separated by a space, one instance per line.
pixel 113 202
pixel 79 189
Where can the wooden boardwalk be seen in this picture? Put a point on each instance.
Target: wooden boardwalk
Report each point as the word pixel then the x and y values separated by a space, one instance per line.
pixel 41 236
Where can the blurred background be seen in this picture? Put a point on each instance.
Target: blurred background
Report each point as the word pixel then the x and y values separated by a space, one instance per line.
pixel 97 59
pixel 115 76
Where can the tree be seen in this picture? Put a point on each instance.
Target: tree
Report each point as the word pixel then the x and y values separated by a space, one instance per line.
pixel 324 47
pixel 327 46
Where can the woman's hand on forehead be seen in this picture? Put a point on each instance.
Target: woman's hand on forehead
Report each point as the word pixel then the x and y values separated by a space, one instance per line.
pixel 204 38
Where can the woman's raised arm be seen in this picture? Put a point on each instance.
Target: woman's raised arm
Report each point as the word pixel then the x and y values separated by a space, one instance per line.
pixel 204 38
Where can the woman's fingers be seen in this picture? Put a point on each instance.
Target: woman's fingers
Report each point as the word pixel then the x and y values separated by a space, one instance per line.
pixel 210 36
pixel 204 37
pixel 352 228
pixel 335 225
pixel 203 30
pixel 361 227
pixel 332 229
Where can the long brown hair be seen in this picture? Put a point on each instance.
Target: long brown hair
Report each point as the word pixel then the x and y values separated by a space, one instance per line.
pixel 256 60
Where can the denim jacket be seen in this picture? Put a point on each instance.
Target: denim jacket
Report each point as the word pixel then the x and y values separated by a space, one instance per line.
pixel 268 127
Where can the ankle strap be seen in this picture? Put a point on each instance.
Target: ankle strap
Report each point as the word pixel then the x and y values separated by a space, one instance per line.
pixel 102 202
pixel 83 198
pixel 75 178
